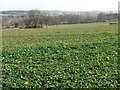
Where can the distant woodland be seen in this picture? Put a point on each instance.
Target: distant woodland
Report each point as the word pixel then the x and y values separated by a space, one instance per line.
pixel 42 19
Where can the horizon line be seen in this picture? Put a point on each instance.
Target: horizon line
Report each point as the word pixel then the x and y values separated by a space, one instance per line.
pixel 57 10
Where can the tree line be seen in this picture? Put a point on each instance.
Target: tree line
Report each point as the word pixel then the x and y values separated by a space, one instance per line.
pixel 38 19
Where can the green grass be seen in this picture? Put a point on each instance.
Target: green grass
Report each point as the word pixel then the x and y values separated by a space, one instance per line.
pixel 63 56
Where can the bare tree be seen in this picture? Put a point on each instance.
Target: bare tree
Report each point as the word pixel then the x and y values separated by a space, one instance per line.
pixel 34 19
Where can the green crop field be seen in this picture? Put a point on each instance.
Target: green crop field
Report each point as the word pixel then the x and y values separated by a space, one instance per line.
pixel 63 56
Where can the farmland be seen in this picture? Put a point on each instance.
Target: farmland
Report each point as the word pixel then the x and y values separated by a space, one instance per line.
pixel 62 56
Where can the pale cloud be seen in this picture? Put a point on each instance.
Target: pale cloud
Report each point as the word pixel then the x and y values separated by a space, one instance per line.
pixel 70 5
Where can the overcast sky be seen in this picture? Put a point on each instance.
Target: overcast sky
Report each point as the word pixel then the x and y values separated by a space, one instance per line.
pixel 64 5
